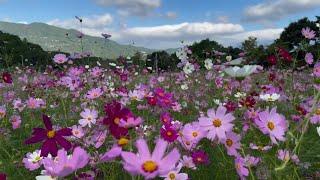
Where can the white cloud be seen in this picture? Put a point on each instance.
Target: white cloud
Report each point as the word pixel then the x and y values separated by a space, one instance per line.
pixel 132 7
pixel 169 36
pixel 95 22
pixel 181 31
pixel 263 36
pixel 269 11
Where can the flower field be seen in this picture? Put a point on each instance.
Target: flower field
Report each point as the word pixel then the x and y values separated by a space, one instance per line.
pixel 225 120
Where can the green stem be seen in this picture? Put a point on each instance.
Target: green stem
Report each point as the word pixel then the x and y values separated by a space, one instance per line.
pixel 304 130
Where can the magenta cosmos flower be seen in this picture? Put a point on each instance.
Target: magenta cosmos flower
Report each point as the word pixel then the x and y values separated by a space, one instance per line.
pixel 150 165
pixel 7 78
pixel 218 123
pixel 168 133
pixel 50 137
pixel 63 165
pixel 273 124
pixel 200 157
pixel 115 113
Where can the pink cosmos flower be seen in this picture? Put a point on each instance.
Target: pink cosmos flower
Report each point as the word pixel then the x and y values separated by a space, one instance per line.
pixel 33 161
pixel 130 122
pixel 35 103
pixel 15 121
pixel 308 33
pixel 136 95
pixel 251 160
pixel 89 117
pixel 188 162
pixel 283 155
pixel 232 143
pixel 113 153
pixel 98 138
pixel 60 58
pixel 77 131
pixel 175 174
pixel 316 69
pixel 218 123
pixel 260 148
pixel 309 58
pixel 176 107
pixel 273 124
pixel 241 168
pixel 3 112
pixel 17 104
pixel 147 164
pixel 191 134
pixel 315 118
pixel 94 93
pixel 96 72
pixel 63 165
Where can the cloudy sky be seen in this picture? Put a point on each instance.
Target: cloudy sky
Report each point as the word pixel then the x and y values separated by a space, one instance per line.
pixel 164 24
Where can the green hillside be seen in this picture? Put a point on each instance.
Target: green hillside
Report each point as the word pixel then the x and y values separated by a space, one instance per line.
pixel 52 38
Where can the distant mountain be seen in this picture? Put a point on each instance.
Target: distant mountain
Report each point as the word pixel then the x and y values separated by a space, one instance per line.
pixel 52 38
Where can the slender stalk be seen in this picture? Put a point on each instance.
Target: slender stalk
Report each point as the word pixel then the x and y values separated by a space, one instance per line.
pixel 304 130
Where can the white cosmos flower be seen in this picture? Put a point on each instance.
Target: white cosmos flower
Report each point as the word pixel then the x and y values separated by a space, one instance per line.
pixel 112 64
pixel 182 54
pixel 240 94
pixel 184 86
pixel 35 156
pixel 188 68
pixel 217 101
pixel 270 97
pixel 44 177
pixel 229 58
pixel 208 64
pixel 318 130
pixel 244 71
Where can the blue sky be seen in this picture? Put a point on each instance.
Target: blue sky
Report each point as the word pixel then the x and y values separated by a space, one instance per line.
pixel 163 23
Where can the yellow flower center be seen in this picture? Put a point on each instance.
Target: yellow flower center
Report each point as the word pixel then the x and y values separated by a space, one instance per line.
pixel 199 159
pixel 229 142
pixel 123 141
pixel 188 143
pixel 172 176
pixel 149 166
pixel 51 134
pixel 318 112
pixel 271 125
pixel 216 122
pixel 116 120
pixel 169 133
pixel 194 134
